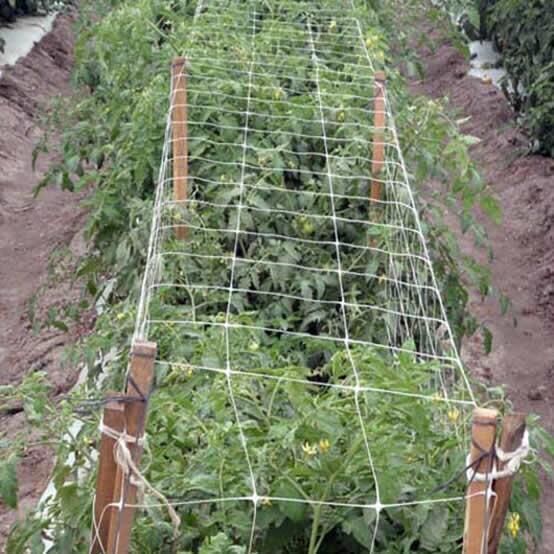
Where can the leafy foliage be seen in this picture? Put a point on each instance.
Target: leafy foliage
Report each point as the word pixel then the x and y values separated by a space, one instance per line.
pixel 524 33
pixel 300 437
pixel 10 9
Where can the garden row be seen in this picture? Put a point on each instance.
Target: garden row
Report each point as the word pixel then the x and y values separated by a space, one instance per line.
pixel 307 427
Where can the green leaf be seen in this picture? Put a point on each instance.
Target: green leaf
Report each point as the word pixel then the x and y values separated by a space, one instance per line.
pixel 491 208
pixel 359 529
pixel 487 340
pixel 433 530
pixel 8 481
pixel 293 510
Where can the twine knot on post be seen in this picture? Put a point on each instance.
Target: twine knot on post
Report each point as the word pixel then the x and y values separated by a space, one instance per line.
pixel 124 460
pixel 512 461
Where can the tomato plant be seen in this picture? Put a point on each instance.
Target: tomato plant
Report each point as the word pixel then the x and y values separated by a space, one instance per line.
pixel 302 409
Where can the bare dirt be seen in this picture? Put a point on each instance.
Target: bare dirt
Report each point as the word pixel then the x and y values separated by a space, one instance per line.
pixel 31 230
pixel 522 358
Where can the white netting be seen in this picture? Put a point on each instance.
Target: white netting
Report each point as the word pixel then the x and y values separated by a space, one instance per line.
pixel 288 265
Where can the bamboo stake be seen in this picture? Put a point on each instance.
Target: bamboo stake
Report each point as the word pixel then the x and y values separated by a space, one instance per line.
pixel 113 418
pixel 483 434
pixel 125 491
pixel 378 158
pixel 513 429
pixel 179 139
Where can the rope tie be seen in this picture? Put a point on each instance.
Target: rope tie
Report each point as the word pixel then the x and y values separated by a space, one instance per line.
pixel 513 461
pixel 125 462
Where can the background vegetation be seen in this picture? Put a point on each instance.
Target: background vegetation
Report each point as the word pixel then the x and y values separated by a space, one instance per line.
pixel 523 32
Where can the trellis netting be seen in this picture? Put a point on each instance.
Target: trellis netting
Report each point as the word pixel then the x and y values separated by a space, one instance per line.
pixel 309 395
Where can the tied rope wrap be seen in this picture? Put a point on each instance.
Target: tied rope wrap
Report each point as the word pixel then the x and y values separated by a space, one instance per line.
pixel 513 461
pixel 124 460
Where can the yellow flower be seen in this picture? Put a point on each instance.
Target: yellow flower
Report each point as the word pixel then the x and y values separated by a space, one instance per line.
pixel 120 316
pixel 309 449
pixel 265 501
pixel 453 415
pixel 278 94
pixel 324 446
pixel 332 25
pixel 514 524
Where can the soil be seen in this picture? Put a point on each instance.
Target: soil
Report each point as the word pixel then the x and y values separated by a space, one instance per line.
pixel 31 230
pixel 522 357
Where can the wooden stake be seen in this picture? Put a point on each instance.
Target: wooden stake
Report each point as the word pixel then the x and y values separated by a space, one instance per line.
pixel 513 429
pixel 483 434
pixel 378 158
pixel 107 468
pixel 179 139
pixel 141 376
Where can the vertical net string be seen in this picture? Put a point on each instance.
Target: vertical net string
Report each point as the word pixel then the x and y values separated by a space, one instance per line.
pixel 316 64
pixel 237 233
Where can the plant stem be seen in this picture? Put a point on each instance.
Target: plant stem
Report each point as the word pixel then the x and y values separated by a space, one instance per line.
pixel 314 546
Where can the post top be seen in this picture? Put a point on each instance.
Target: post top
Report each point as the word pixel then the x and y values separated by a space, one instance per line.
pixel 380 76
pixel 144 348
pixel 178 61
pixel 486 414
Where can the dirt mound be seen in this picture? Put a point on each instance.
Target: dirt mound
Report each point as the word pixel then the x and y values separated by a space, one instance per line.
pixel 30 230
pixel 522 358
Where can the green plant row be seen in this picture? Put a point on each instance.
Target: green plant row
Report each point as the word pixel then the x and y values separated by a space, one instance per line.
pixel 523 32
pixel 305 441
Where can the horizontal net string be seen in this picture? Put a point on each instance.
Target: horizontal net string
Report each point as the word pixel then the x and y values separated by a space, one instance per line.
pixel 290 42
pixel 371 307
pixel 350 60
pixel 315 384
pixel 343 77
pixel 195 81
pixel 286 28
pixel 193 89
pixel 308 501
pixel 299 334
pixel 232 10
pixel 305 214
pixel 264 262
pixel 282 169
pixel 195 62
pixel 355 53
pixel 281 149
pixel 270 117
pixel 278 236
pixel 301 192
pixel 269 133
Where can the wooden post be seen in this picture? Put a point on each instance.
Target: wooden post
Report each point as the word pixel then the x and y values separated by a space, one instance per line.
pixel 107 468
pixel 483 434
pixel 141 374
pixel 513 429
pixel 378 158
pixel 179 139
